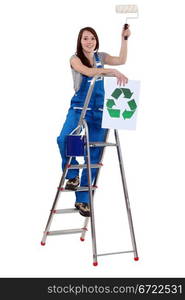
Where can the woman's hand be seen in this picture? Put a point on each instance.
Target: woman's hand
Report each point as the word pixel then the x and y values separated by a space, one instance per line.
pixel 121 79
pixel 125 32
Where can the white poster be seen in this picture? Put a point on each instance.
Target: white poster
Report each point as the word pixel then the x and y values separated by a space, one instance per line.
pixel 120 104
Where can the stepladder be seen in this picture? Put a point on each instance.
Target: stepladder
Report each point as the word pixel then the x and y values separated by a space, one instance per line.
pixel 91 187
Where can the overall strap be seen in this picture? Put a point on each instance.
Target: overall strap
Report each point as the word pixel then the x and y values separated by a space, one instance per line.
pixel 98 61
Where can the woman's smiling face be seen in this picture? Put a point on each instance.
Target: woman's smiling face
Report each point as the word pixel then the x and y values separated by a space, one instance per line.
pixel 88 42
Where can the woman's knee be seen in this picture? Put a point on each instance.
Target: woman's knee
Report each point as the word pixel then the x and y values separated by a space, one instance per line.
pixel 60 140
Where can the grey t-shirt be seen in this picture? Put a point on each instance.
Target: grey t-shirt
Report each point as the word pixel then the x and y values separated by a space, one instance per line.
pixel 77 77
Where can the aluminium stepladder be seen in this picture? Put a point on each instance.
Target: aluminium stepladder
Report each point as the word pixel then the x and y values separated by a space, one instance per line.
pixel 91 187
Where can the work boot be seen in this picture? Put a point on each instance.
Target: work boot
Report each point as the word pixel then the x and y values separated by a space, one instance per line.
pixel 83 208
pixel 72 183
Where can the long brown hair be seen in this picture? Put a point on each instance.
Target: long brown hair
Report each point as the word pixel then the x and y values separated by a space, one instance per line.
pixel 79 51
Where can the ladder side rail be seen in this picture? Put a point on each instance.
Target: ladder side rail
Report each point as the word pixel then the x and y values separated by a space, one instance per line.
pixel 123 177
pixel 82 116
pixel 101 159
pixel 77 129
pixel 95 183
pixel 93 233
pixel 86 103
pixel 103 149
pixel 55 201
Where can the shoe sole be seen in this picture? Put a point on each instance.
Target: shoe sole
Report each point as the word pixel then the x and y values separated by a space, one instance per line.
pixel 81 212
pixel 84 214
pixel 71 188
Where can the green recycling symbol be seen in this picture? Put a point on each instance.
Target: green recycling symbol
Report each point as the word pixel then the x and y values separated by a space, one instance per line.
pixel 115 112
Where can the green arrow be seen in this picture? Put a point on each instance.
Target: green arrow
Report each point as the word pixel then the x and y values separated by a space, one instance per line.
pixel 127 93
pixel 110 103
pixel 128 114
pixel 114 113
pixel 117 92
pixel 132 104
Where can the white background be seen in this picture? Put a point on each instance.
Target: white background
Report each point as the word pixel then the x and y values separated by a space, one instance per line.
pixel 37 39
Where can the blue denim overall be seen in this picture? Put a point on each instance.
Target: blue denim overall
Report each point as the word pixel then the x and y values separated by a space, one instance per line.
pixel 93 118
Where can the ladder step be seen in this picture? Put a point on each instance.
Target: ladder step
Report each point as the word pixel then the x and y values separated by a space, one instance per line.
pixel 83 166
pixel 112 253
pixel 65 211
pixel 66 231
pixel 79 189
pixel 101 144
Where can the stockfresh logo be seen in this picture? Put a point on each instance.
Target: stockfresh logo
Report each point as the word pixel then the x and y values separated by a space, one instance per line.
pixel 115 104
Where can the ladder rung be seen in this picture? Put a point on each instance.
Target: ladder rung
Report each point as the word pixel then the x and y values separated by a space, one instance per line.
pixel 101 144
pixel 66 231
pixel 83 166
pixel 79 189
pixel 65 211
pixel 112 253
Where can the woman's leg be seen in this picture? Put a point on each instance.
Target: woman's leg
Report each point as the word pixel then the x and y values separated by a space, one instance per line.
pixel 70 124
pixel 96 134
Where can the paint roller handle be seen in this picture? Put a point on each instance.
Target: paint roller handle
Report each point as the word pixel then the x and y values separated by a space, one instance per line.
pixel 125 28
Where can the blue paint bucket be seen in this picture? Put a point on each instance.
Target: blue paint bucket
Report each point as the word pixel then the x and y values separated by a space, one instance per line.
pixel 75 145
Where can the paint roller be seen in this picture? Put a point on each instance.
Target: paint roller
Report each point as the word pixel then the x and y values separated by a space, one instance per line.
pixel 131 12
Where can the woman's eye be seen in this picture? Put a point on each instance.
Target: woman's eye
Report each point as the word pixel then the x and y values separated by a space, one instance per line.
pixel 85 39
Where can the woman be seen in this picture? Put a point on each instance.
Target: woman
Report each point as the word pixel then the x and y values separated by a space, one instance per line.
pixel 86 63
